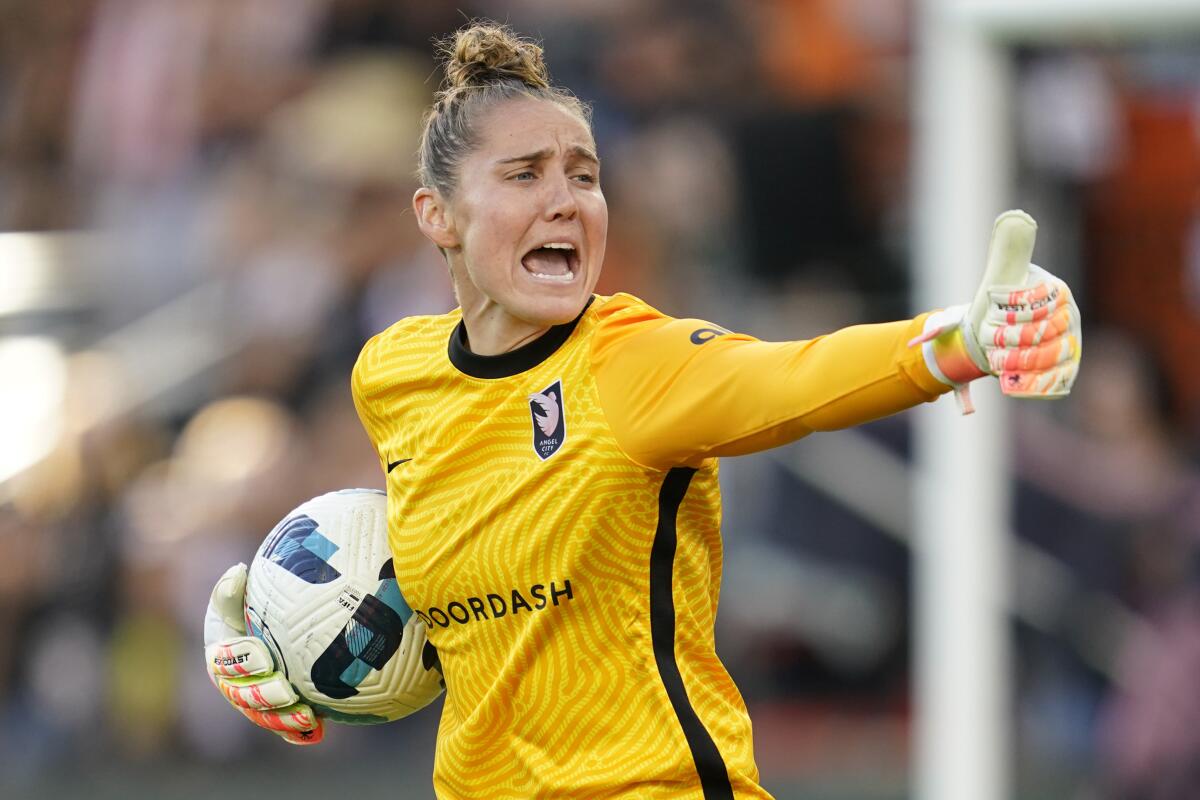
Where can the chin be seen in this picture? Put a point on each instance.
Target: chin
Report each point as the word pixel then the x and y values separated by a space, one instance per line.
pixel 554 310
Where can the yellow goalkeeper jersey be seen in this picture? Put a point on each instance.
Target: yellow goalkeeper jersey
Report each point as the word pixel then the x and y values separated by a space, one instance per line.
pixel 554 516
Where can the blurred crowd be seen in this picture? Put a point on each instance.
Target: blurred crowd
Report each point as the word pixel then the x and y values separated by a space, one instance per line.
pixel 214 197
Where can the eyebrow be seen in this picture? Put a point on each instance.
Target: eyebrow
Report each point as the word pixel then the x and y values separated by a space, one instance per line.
pixel 541 155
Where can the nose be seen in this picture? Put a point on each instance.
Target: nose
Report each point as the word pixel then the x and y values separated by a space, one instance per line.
pixel 560 202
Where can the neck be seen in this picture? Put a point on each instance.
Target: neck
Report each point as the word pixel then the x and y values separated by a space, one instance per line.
pixel 491 330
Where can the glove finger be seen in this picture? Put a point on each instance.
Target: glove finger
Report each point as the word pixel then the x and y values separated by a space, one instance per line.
pixel 261 693
pixel 1027 334
pixel 1031 359
pixel 242 656
pixel 297 718
pixel 1056 382
pixel 228 597
pixel 305 737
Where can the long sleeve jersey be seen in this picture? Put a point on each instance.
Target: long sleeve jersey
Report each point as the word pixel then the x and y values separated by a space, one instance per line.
pixel 554 517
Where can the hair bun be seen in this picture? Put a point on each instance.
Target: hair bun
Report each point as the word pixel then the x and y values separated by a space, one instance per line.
pixel 484 54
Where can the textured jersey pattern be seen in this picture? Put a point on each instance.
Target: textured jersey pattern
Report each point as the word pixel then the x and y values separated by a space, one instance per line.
pixel 571 588
pixel 534 576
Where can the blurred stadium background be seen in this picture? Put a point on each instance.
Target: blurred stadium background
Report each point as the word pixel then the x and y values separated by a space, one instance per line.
pixel 204 213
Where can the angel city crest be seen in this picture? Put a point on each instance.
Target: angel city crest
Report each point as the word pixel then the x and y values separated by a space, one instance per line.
pixel 549 420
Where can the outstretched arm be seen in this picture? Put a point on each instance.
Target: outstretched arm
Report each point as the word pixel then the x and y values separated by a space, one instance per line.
pixel 678 391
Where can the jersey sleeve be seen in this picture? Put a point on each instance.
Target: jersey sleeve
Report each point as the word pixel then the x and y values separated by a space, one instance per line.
pixel 361 392
pixel 678 391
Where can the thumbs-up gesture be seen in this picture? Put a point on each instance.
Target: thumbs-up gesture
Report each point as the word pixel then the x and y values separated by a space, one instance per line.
pixel 1023 325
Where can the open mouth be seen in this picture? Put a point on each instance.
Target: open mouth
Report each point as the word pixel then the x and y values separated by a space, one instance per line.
pixel 553 262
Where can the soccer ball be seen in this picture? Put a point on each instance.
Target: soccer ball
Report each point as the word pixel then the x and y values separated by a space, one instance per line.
pixel 322 595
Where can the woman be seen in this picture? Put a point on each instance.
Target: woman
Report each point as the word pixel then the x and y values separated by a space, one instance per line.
pixel 551 459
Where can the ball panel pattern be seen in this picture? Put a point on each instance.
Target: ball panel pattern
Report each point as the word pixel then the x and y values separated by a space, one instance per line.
pixel 322 593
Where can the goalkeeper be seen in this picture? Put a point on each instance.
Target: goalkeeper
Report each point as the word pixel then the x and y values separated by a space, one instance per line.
pixel 555 453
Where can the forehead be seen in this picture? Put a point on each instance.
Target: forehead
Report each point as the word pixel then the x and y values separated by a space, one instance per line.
pixel 525 124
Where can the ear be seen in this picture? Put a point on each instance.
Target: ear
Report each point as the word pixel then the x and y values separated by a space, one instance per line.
pixel 434 219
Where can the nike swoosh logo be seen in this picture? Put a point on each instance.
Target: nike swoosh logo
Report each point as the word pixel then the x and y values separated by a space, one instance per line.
pixel 393 464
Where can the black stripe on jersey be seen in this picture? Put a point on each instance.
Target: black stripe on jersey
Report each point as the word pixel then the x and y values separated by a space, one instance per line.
pixel 714 777
pixel 514 362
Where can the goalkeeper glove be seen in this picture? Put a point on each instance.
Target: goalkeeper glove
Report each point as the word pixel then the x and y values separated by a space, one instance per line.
pixel 243 669
pixel 1023 326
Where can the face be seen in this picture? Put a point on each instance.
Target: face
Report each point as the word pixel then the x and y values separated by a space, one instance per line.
pixel 526 226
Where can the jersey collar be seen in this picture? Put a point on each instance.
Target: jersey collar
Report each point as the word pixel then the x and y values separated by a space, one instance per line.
pixel 514 362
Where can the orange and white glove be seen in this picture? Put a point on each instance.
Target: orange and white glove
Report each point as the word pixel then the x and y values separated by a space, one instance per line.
pixel 1023 326
pixel 242 667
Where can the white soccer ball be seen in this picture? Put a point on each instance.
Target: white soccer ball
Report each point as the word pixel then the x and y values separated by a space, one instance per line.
pixel 322 594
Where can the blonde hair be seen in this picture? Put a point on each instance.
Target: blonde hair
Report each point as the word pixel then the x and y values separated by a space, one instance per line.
pixel 485 63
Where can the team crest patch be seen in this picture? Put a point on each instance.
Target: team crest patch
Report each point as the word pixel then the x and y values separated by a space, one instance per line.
pixel 549 420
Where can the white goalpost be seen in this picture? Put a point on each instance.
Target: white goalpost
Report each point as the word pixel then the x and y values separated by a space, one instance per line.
pixel 962 171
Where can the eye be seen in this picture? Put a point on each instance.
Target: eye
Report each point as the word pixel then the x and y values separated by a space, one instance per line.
pixel 523 175
pixel 585 177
